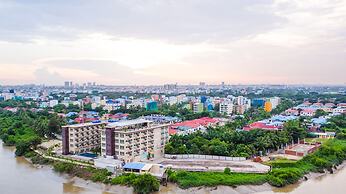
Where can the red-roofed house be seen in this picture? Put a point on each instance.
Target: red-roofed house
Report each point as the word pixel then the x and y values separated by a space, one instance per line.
pixel 261 125
pixel 187 127
pixel 308 112
pixel 292 112
pixel 342 105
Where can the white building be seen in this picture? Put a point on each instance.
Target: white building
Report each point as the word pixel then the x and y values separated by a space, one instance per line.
pixel 275 101
pixel 226 107
pixel 134 140
pixel 53 103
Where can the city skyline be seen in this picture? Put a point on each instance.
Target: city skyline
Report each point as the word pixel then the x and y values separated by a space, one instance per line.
pixel 185 42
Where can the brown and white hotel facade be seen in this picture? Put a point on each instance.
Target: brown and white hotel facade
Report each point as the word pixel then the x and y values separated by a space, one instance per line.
pixel 81 138
pixel 134 140
pixel 130 140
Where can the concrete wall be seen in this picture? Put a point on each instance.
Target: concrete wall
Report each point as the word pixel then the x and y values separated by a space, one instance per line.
pixel 203 157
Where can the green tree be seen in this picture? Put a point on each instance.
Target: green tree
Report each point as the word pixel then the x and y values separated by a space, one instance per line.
pixel 53 127
pixel 145 184
pixel 319 113
pixel 295 131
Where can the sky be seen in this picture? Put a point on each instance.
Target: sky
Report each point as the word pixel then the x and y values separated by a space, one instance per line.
pixel 152 42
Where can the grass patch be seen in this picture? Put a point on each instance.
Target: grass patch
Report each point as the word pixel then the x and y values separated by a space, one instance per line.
pixel 195 179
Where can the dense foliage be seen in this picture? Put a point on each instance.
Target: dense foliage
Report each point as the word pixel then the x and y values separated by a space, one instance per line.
pixel 224 141
pixel 25 129
pixel 142 184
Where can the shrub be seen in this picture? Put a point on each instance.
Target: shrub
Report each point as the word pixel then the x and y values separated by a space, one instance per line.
pixel 125 179
pixel 227 171
pixel 63 167
pixel 284 176
pixel 145 184
pixel 100 175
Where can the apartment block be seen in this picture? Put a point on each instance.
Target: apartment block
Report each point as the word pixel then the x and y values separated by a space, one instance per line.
pixel 197 107
pixel 81 138
pixel 134 140
pixel 226 108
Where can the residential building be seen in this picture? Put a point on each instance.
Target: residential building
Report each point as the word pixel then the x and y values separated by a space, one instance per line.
pixel 268 106
pixel 198 107
pixel 339 110
pixel 226 107
pixel 152 106
pixel 53 103
pixel 275 101
pixel 81 138
pixel 308 112
pixel 134 140
pixel 188 127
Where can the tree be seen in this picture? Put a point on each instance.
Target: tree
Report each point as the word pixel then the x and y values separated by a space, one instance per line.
pixel 53 127
pixel 169 149
pixel 22 147
pixel 294 130
pixel 145 184
pixel 218 147
pixel 319 113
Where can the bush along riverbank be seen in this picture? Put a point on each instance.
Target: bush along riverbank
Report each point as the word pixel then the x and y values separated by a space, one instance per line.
pixel 284 172
pixel 142 184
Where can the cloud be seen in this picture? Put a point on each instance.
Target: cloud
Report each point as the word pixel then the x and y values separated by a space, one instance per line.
pixel 182 21
pixel 154 42
pixel 44 76
pixel 88 70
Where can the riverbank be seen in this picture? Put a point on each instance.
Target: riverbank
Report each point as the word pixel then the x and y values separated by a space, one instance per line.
pixel 74 185
pixel 247 189
pixel 284 172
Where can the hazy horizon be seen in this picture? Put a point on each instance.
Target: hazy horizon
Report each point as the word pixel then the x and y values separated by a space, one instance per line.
pixel 152 42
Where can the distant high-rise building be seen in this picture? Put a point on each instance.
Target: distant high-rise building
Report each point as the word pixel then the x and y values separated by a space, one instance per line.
pixel 170 86
pixel 67 84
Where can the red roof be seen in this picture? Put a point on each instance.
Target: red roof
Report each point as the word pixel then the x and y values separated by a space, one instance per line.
pixel 79 120
pixel 172 131
pixel 309 110
pixel 260 125
pixel 197 122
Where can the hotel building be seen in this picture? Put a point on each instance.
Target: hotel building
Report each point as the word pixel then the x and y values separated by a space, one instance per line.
pixel 134 140
pixel 81 138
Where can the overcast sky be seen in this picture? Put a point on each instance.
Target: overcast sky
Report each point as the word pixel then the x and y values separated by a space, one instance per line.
pixel 166 41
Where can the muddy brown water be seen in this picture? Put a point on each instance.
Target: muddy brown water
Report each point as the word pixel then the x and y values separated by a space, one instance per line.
pixel 18 176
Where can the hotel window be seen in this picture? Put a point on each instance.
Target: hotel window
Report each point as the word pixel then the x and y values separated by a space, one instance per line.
pixel 121 147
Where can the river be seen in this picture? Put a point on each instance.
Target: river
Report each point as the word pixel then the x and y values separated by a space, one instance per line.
pixel 18 176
